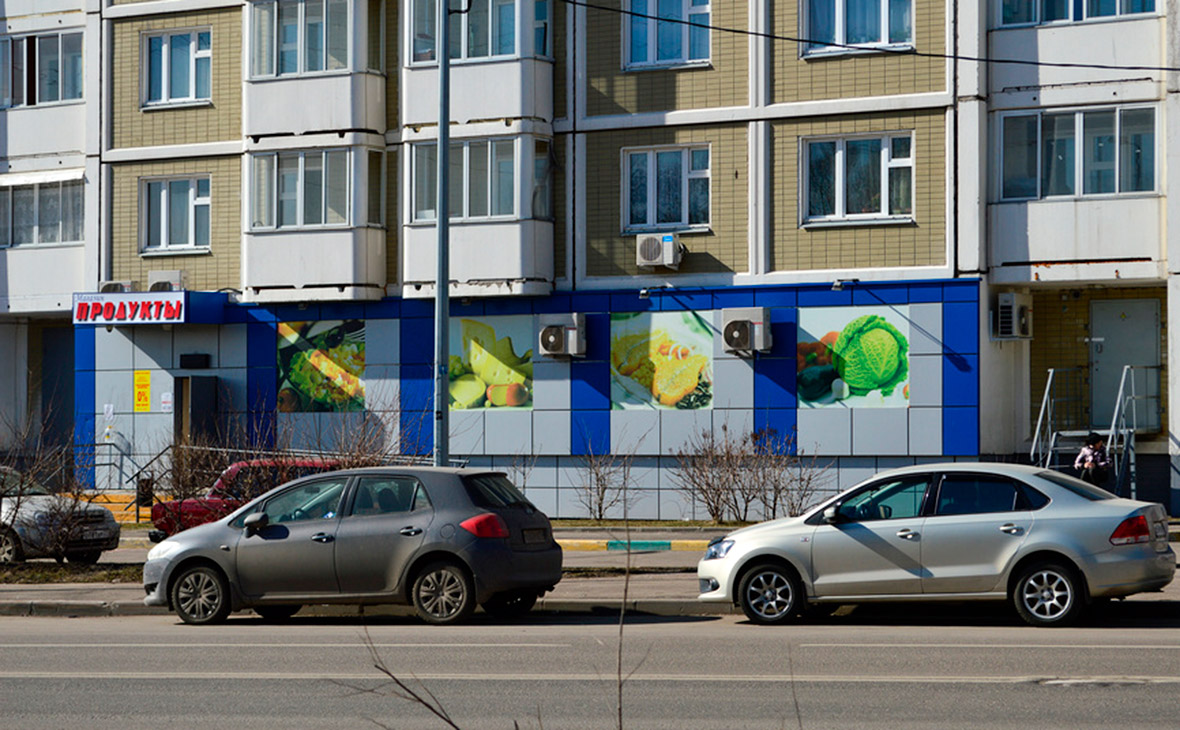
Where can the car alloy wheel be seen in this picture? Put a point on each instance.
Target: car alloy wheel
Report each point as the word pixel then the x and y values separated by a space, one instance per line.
pixel 10 551
pixel 1046 594
pixel 769 594
pixel 443 594
pixel 200 596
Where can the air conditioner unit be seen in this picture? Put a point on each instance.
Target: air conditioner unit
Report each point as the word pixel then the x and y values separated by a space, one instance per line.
pixel 1012 317
pixel 169 280
pixel 658 249
pixel 563 335
pixel 113 287
pixel 745 330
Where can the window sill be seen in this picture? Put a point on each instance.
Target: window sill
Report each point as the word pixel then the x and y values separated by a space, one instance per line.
pixel 42 105
pixel 431 223
pixel 160 106
pixel 302 229
pixel 1091 198
pixel 40 246
pixel 176 251
pixel 669 66
pixel 840 52
pixel 304 75
pixel 1085 21
pixel 681 230
pixel 893 220
pixel 480 60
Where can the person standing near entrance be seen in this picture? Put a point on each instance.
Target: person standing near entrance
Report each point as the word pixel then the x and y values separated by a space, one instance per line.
pixel 1092 462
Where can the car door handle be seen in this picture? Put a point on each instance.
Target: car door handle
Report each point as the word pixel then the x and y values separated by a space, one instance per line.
pixel 322 537
pixel 411 531
pixel 1011 529
pixel 906 533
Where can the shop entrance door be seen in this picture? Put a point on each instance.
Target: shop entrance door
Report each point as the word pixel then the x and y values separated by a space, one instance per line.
pixel 1124 332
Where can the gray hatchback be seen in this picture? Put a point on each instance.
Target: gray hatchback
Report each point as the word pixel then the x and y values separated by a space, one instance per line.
pixel 440 539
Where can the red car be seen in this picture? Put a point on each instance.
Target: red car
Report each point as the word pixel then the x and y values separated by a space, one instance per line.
pixel 238 484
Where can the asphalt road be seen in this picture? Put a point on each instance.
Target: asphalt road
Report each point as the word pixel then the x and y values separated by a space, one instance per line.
pixel 892 667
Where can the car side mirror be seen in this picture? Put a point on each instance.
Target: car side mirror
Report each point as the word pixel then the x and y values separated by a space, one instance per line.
pixel 255 522
pixel 832 514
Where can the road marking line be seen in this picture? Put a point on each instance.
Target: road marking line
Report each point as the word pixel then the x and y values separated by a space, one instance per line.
pixel 831 645
pixel 284 645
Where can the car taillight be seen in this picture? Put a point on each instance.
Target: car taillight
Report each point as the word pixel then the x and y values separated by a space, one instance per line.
pixel 486 525
pixel 1132 530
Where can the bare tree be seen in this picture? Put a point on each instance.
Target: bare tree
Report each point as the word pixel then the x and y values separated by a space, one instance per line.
pixel 788 482
pixel 605 481
pixel 709 466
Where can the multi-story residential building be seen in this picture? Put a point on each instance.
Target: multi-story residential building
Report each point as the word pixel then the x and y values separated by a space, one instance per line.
pixel 657 180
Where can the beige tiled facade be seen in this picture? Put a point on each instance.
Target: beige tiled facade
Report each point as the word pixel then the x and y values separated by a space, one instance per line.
pixel 218 268
pixel 134 125
pixel 612 90
pixel 923 243
pixel 724 249
pixel 846 75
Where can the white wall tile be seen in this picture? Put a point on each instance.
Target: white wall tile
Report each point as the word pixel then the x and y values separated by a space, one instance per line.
pixel 880 431
pixel 551 432
pixel 635 432
pixel 825 431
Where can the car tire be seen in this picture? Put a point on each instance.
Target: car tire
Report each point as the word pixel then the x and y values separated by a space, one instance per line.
pixel 1048 594
pixel 510 605
pixel 443 594
pixel 10 549
pixel 770 593
pixel 89 557
pixel 200 595
pixel 276 613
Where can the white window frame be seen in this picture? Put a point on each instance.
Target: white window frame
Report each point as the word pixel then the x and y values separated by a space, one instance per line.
pixel 840 214
pixel 687 174
pixel 458 31
pixel 195 54
pixel 10 79
pixel 1079 153
pixel 258 11
pixel 300 188
pixel 1070 7
pixel 840 32
pixel 7 218
pixel 543 28
pixel 464 215
pixel 650 8
pixel 194 201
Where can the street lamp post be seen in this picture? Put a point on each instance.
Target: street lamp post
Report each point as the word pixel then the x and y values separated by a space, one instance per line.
pixel 443 276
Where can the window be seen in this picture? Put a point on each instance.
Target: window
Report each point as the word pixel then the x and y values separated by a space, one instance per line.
pixel 542 181
pixel 40 69
pixel 300 189
pixel 858 23
pixel 1041 159
pixel 541 28
pixel 666 187
pixel 859 178
pixel 376 38
pixel 178 67
pixel 388 495
pixel 376 187
pixel 673 32
pixel 1035 12
pixel 487 28
pixel 314 501
pixel 961 494
pixel 896 499
pixel 299 36
pixel 42 213
pixel 175 214
pixel 482 179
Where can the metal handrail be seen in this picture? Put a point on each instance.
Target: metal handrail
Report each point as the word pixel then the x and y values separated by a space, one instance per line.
pixel 1061 386
pixel 1121 439
pixel 1035 454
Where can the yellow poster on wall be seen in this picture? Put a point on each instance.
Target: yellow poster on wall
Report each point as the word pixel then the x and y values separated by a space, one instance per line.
pixel 143 391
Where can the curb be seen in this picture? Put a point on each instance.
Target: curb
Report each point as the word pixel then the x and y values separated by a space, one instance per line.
pixel 577 545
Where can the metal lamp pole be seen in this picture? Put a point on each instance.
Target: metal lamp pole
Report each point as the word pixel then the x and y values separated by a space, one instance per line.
pixel 443 276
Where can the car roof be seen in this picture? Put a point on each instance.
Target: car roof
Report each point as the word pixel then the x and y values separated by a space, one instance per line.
pixel 988 467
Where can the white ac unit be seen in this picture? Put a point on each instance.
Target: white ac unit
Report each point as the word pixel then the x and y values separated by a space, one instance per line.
pixel 658 249
pixel 1012 317
pixel 745 330
pixel 168 280
pixel 114 287
pixel 563 335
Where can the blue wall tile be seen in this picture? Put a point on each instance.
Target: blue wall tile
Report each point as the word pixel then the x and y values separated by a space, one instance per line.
pixel 472 308
pixel 630 302
pixel 510 305
pixel 778 297
pixel 297 313
pixel 961 290
pixel 925 292
pixel 589 432
pixel 960 380
pixel 876 294
pixel 960 431
pixel 774 383
pixel 343 310
pixel 597 337
pixel 590 302
pixel 589 385
pixel 781 420
pixel 84 350
pixel 673 300
pixel 726 298
pixel 960 327
pixel 416 418
pixel 417 341
pixel 553 304
pixel 254 313
pixel 417 308
pixel 825 297
pixel 384 309
pixel 261 345
pixel 206 307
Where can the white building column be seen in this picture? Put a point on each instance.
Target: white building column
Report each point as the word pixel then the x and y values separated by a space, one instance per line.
pixel 1173 404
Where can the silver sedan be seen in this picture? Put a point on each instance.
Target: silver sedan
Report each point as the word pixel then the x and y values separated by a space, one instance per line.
pixel 1048 543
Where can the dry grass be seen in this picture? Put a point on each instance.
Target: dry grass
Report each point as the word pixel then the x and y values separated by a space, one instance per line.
pixel 48 571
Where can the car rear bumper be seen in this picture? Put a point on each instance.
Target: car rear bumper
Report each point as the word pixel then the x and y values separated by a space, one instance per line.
pixel 503 569
pixel 1130 569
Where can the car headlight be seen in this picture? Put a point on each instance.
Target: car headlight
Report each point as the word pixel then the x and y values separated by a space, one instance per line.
pixel 718 548
pixel 163 550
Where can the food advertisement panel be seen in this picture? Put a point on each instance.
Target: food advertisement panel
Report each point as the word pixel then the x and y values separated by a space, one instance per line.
pixel 491 362
pixel 661 360
pixel 321 366
pixel 853 357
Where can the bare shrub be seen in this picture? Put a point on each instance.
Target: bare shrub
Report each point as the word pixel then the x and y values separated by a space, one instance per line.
pixel 604 485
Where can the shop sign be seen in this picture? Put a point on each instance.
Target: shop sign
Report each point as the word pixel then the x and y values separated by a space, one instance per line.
pixel 130 308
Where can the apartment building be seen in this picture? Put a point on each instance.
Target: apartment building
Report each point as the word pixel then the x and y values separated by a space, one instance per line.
pixel 661 217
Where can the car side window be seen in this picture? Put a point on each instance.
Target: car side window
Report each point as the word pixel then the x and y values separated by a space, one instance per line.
pixel 317 500
pixel 388 495
pixel 892 499
pixel 970 494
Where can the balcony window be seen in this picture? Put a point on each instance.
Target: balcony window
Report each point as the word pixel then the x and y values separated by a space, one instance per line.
pixel 1036 12
pixel 666 187
pixel 1041 156
pixel 482 180
pixel 859 178
pixel 541 29
pixel 667 32
pixel 833 24
pixel 42 69
pixel 292 37
pixel 175 214
pixel 42 213
pixel 303 189
pixel 487 29
pixel 178 67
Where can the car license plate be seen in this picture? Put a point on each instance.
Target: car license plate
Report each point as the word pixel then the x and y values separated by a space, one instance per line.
pixel 93 534
pixel 535 535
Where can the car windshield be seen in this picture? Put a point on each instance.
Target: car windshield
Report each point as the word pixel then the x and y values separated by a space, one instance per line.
pixel 1077 486
pixel 15 485
pixel 493 490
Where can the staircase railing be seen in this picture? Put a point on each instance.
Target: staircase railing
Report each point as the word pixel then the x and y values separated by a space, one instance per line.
pixel 1061 406
pixel 1120 439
